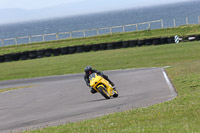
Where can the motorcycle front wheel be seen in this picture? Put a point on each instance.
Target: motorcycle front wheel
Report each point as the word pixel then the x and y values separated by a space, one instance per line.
pixel 115 93
pixel 104 92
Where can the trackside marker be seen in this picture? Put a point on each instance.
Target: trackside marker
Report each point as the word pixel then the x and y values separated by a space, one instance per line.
pixel 176 39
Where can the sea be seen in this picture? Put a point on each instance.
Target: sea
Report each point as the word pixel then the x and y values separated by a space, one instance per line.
pixel 177 11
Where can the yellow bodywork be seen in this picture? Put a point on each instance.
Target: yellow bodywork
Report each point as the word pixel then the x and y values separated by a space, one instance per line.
pixel 96 81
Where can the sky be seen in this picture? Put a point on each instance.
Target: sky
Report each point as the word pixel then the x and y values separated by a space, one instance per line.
pixel 38 4
pixel 34 4
pixel 12 11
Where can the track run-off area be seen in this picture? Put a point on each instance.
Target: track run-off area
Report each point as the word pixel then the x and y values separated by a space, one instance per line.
pixel 56 100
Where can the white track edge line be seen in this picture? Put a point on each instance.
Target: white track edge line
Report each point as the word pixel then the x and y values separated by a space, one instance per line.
pixel 171 88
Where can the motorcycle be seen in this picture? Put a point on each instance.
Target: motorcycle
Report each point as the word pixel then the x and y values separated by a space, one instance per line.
pixel 102 86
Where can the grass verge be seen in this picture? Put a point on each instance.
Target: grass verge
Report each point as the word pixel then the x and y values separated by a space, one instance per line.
pixel 147 56
pixel 181 31
pixel 180 115
pixel 10 89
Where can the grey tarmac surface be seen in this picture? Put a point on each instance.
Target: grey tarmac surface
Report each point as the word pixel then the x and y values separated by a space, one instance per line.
pixel 61 99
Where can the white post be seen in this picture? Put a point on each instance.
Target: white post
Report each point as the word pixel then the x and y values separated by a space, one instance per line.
pixel 56 36
pixel 187 21
pixel 199 19
pixel 111 30
pixel 162 25
pixel 136 27
pixel 124 30
pixel 84 33
pixel 149 26
pixel 43 38
pixel 16 40
pixel 70 34
pixel 29 39
pixel 97 31
pixel 174 22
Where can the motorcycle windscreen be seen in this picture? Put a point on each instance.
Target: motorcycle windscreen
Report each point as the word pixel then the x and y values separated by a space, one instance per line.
pixel 94 79
pixel 92 76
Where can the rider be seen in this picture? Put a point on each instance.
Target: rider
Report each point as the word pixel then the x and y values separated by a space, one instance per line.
pixel 88 71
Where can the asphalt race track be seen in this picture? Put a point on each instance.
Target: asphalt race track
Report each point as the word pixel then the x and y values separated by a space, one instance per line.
pixel 61 99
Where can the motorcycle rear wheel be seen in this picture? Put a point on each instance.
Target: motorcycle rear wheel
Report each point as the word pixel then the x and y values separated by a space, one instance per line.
pixel 104 92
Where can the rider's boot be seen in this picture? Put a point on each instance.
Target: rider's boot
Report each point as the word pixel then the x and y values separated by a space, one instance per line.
pixel 93 91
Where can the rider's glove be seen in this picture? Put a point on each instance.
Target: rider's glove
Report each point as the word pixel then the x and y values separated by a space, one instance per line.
pixel 92 90
pixel 91 87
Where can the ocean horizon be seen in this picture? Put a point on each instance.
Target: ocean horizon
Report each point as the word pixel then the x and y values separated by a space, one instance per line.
pixel 167 13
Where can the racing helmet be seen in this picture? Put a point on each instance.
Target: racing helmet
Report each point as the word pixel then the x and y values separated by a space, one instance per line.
pixel 88 69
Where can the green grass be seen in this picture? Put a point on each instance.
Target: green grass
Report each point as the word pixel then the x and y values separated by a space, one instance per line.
pixel 10 89
pixel 147 56
pixel 181 115
pixel 181 31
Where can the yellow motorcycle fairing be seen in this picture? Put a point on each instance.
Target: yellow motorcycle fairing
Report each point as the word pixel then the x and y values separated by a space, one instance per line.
pixel 97 81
